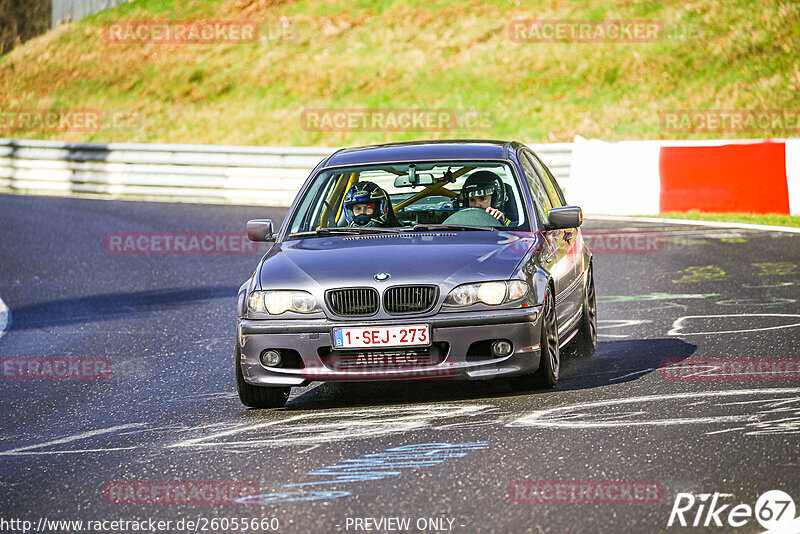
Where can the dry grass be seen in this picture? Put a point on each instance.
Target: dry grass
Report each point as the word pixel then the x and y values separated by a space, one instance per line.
pixel 399 55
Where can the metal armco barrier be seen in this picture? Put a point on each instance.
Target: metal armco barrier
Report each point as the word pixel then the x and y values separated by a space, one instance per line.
pixel 265 176
pixel 72 10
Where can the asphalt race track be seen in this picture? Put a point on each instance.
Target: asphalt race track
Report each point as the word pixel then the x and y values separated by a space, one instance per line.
pixel 620 421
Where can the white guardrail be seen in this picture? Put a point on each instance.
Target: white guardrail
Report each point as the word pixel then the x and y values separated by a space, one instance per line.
pixel 265 176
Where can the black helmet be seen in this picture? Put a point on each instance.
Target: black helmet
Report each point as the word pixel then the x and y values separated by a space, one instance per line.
pixel 367 193
pixel 482 183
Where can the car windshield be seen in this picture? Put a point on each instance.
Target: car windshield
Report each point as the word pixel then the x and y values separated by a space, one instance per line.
pixel 411 196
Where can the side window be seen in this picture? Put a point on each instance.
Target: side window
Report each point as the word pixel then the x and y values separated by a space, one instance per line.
pixel 538 193
pixel 552 192
pixel 311 214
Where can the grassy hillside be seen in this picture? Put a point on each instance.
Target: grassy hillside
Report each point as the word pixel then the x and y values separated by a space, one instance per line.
pixel 434 54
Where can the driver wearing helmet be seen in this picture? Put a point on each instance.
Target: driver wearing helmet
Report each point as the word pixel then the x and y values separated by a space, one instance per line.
pixel 484 190
pixel 366 204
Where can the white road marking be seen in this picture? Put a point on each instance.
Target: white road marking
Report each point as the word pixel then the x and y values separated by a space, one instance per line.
pixel 602 414
pixel 611 299
pixel 340 425
pixel 75 451
pixel 469 424
pixel 631 374
pixel 311 429
pixel 756 302
pixel 75 437
pixel 584 375
pixel 725 431
pixel 622 322
pixel 779 284
pixel 688 222
pixel 678 324
pixel 773 403
pixel 5 316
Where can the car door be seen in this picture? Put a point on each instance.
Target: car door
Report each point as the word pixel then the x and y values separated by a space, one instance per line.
pixel 570 298
pixel 554 247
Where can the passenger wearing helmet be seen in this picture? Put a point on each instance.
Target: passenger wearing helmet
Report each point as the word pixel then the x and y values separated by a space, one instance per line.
pixel 484 190
pixel 366 204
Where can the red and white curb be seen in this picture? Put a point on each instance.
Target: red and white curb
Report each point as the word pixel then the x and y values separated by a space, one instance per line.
pixel 652 177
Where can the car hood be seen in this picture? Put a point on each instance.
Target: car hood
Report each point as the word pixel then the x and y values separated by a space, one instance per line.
pixel 437 257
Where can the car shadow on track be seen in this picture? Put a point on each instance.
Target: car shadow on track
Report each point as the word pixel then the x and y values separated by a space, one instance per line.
pixel 614 362
pixel 112 306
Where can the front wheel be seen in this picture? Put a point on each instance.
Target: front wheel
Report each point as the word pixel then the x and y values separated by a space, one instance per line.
pixel 546 375
pixel 257 396
pixel 585 340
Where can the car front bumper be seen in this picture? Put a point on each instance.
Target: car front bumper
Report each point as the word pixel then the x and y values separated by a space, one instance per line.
pixel 453 332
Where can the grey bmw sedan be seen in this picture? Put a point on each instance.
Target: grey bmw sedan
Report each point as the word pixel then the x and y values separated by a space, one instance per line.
pixel 417 260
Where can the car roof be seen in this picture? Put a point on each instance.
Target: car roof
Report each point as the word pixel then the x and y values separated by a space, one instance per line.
pixel 445 149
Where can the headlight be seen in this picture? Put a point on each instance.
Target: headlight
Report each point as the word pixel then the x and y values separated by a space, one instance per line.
pixel 463 295
pixel 277 302
pixel 491 293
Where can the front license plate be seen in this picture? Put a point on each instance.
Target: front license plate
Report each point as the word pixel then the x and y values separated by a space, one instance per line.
pixel 381 336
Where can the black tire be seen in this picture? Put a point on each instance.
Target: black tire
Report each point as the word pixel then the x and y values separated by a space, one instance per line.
pixel 585 340
pixel 546 376
pixel 258 396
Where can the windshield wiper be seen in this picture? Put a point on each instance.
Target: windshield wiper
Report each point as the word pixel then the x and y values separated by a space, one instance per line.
pixel 346 230
pixel 433 227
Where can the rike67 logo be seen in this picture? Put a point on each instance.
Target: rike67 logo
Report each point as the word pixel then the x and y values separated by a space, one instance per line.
pixel 774 510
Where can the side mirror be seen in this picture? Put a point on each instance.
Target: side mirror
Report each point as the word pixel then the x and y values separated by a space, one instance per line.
pixel 260 230
pixel 566 217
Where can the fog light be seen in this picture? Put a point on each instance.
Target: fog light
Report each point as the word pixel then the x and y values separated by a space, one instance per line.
pixel 270 358
pixel 501 348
